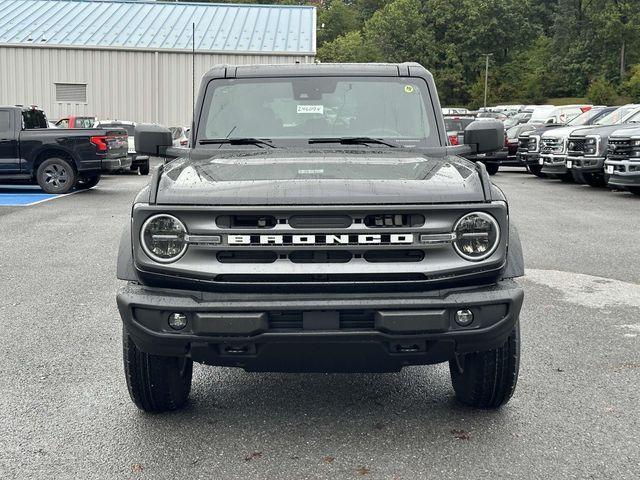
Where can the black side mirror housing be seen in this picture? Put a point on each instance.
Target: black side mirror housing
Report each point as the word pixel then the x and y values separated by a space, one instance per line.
pixel 153 140
pixel 485 136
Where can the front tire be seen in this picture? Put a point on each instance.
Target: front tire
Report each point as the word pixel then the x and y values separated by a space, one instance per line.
pixel 144 168
pixel 56 176
pixel 536 170
pixel 88 182
pixel 487 379
pixel 596 180
pixel 492 168
pixel 156 383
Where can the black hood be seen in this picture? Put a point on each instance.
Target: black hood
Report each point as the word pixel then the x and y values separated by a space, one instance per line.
pixel 286 177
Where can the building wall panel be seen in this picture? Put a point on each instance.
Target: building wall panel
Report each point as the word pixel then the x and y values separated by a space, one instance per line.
pixel 138 85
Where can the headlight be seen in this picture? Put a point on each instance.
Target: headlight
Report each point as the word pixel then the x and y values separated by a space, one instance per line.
pixel 635 143
pixel 591 145
pixel 477 236
pixel 163 238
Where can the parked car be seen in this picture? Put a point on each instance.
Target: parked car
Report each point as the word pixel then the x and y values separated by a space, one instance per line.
pixel 518 118
pixel 456 125
pixel 55 159
pixel 553 143
pixel 622 164
pixel 359 242
pixel 139 163
pixel 588 147
pixel 557 115
pixel 513 135
pixel 73 121
pixel 180 136
pixel 492 115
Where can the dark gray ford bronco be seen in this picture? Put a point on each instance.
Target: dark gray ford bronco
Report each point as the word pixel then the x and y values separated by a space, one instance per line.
pixel 319 222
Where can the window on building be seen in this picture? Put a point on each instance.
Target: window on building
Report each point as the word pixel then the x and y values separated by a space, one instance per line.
pixel 71 92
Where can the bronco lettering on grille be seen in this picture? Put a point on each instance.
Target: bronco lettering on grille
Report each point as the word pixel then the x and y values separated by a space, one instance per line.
pixel 324 239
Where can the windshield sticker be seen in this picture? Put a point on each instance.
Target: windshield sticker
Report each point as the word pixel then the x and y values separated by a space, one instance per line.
pixel 311 109
pixel 408 89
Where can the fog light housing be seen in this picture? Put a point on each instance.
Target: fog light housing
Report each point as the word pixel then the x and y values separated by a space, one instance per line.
pixel 177 321
pixel 464 317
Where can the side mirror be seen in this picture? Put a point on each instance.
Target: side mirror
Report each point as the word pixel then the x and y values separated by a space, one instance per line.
pixel 153 140
pixel 485 135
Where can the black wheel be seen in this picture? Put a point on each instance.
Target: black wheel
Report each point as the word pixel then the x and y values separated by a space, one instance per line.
pixel 492 168
pixel 88 182
pixel 536 170
pixel 595 179
pixel 566 177
pixel 155 383
pixel 144 168
pixel 487 379
pixel 56 175
pixel 634 190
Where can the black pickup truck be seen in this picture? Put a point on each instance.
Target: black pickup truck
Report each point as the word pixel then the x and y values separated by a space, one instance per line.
pixel 56 159
pixel 320 221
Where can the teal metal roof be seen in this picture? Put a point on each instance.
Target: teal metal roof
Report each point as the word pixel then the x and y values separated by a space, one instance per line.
pixel 227 28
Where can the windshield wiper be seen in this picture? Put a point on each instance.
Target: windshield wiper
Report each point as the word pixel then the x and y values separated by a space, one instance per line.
pixel 355 141
pixel 236 141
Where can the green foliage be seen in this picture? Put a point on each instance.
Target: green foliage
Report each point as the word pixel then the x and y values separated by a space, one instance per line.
pixel 601 92
pixel 632 86
pixel 349 47
pixel 336 19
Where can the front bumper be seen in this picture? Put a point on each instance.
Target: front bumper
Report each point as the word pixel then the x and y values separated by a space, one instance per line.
pixel 115 164
pixel 586 164
pixel 553 164
pixel 623 173
pixel 320 332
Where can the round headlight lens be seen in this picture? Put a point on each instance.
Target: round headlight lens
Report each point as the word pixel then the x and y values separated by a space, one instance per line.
pixel 477 236
pixel 163 238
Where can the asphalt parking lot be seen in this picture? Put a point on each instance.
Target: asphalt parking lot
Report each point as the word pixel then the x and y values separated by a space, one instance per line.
pixel 65 411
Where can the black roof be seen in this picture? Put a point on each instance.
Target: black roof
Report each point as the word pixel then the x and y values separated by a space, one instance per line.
pixel 318 69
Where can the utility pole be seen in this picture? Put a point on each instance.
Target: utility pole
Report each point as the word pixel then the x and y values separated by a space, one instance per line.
pixel 486 77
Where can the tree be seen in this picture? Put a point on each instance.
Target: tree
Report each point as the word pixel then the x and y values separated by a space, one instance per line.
pixel 349 47
pixel 336 19
pixel 601 92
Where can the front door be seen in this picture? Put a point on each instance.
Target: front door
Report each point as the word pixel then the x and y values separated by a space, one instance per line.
pixel 9 161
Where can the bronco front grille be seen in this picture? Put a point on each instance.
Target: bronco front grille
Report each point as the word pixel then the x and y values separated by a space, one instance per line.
pixel 321 245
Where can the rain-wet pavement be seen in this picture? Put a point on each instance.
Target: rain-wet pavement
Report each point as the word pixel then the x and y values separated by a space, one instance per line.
pixel 65 411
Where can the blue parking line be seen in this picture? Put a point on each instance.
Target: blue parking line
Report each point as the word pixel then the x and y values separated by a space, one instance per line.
pixel 23 195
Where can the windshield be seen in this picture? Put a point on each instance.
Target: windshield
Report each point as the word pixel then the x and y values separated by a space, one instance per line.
pixel 617 116
pixel 584 118
pixel 131 129
pixel 294 110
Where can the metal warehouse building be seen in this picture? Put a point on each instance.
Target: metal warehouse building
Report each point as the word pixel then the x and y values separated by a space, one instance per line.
pixel 132 60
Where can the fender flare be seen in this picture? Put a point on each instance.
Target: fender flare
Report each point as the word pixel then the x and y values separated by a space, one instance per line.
pixel 515 259
pixel 125 268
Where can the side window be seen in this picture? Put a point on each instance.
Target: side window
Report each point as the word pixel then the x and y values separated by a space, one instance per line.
pixel 63 123
pixel 5 124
